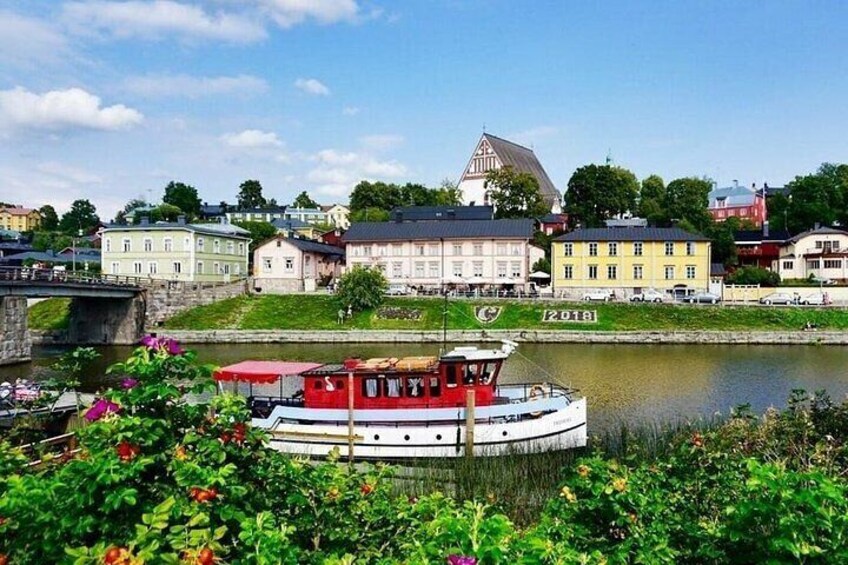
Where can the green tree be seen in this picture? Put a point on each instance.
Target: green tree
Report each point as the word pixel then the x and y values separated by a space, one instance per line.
pixel 303 200
pixel 184 197
pixel 250 195
pixel 259 232
pixel 135 203
pixel 81 216
pixel 162 213
pixel 818 198
pixel 652 199
pixel 49 218
pixel 514 194
pixel 599 192
pixel 777 208
pixel 370 214
pixel 722 236
pixel 543 265
pixel 753 275
pixel 380 195
pixel 362 288
pixel 50 241
pixel 448 194
pixel 686 199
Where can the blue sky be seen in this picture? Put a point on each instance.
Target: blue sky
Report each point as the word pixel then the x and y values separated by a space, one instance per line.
pixel 111 100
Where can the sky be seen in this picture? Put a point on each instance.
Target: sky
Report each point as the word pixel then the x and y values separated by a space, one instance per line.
pixel 111 100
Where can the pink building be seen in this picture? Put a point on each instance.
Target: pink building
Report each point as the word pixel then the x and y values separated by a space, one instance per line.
pixel 738 202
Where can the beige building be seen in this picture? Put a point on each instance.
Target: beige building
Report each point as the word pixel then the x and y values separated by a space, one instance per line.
pixel 17 218
pixel 821 253
pixel 337 215
pixel 176 251
pixel 484 253
pixel 284 264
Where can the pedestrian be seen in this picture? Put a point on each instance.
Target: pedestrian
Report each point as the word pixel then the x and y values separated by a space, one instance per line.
pixel 340 317
pixel 350 310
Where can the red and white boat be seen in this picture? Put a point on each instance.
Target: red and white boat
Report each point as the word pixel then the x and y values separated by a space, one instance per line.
pixel 406 408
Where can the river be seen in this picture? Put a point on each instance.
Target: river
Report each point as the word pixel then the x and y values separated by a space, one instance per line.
pixel 630 384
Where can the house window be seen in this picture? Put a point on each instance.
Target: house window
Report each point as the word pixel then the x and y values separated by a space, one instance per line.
pixel 288 264
pixel 434 270
pixel 419 250
pixel 126 245
pixel 690 248
pixel 669 248
pixel 382 250
pixel 835 245
pixel 501 249
pixel 419 270
pixel 637 272
pixel 187 244
pixel 690 271
pixel 231 247
pixel 819 244
pixel 568 272
pixel 516 269
pixel 788 265
pixel 137 267
pixel 216 268
pixel 168 244
pixel 568 249
pixel 216 246
pixel 148 244
pixel 669 272
pixel 433 249
pixel 637 248
pixel 241 248
pixel 116 268
pixel 178 267
pixel 593 272
pixel 226 268
pixel 457 249
pixel 107 243
pixel 152 267
pixel 516 249
pixel 200 267
pixel 266 265
pixel 612 272
pixel 813 264
pixel 593 250
pixel 478 249
pixel 501 269
pixel 366 250
pixel 832 263
pixel 477 267
pixel 457 269
pixel 613 249
pixel 200 244
pixel 397 270
pixel 397 250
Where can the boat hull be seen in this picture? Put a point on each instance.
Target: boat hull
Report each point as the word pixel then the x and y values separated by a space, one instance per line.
pixel 562 428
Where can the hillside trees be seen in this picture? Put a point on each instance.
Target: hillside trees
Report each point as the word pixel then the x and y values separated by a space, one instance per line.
pixel 303 200
pixel 373 201
pixel 82 216
pixel 599 192
pixel 514 194
pixel 49 218
pixel 686 201
pixel 250 195
pixel 184 197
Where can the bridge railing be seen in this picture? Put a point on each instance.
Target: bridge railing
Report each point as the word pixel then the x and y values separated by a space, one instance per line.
pixel 31 274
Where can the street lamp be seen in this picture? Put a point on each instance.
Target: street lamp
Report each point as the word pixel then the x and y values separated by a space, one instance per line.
pixel 74 250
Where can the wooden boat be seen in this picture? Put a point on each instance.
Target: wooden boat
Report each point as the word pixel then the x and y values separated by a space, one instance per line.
pixel 389 408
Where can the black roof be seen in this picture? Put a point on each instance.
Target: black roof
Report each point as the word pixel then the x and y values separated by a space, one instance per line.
pixel 431 213
pixel 819 231
pixel 631 234
pixel 447 229
pixel 314 246
pixel 754 236
pixel 717 270
pixel 553 218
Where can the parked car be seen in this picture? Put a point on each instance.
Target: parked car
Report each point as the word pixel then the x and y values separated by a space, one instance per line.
pixel 397 290
pixel 648 295
pixel 816 299
pixel 703 298
pixel 783 298
pixel 598 296
pixel 823 281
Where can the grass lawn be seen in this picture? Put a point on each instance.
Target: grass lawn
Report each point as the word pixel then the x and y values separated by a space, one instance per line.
pixel 50 314
pixel 318 312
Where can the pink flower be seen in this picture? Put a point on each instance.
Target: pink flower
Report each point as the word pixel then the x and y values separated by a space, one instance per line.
pixel 127 384
pixel 101 408
pixel 162 344
pixel 150 342
pixel 172 346
pixel 461 560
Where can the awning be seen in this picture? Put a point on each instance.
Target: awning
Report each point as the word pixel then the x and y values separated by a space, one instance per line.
pixel 263 372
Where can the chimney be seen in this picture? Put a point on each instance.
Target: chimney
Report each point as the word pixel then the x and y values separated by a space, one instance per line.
pixel 754 186
pixel 145 221
pixel 735 183
pixel 765 229
pixel 181 219
pixel 398 216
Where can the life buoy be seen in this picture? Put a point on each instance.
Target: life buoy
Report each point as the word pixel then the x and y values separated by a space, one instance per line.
pixel 537 392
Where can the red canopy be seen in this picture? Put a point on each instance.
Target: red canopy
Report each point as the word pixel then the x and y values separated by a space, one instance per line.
pixel 264 372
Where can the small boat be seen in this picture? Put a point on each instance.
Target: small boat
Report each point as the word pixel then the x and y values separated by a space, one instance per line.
pixel 390 408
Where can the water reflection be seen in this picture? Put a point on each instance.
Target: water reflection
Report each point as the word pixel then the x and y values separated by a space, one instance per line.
pixel 623 383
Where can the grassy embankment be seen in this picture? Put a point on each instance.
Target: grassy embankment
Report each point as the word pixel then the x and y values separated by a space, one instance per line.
pixel 51 314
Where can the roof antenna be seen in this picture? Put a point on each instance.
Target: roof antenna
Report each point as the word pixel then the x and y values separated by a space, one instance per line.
pixel 609 157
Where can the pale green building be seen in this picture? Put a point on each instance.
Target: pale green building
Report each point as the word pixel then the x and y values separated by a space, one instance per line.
pixel 176 251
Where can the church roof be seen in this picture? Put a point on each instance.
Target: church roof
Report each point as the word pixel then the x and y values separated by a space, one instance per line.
pixel 523 159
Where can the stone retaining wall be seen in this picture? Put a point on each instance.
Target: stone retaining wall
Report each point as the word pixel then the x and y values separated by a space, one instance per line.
pixel 527 336
pixel 165 299
pixel 15 344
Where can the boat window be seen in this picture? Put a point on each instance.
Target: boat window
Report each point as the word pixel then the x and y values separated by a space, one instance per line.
pixel 393 387
pixel 489 370
pixel 435 386
pixel 340 385
pixel 369 388
pixel 451 375
pixel 414 386
pixel 318 385
pixel 470 375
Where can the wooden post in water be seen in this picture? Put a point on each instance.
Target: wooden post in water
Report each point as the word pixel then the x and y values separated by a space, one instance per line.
pixel 350 435
pixel 469 422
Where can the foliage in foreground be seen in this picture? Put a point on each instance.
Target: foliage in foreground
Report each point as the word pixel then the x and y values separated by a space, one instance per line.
pixel 161 480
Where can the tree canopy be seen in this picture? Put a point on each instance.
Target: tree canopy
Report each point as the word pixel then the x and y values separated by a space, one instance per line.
pixel 686 200
pixel 49 218
pixel 303 200
pixel 515 194
pixel 361 288
pixel 184 197
pixel 259 232
pixel 599 192
pixel 370 198
pixel 652 200
pixel 821 198
pixel 81 216
pixel 250 195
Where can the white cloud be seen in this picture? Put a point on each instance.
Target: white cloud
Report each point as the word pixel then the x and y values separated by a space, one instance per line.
pixel 252 139
pixel 27 42
pixel 337 172
pixel 61 109
pixel 312 86
pixel 68 173
pixel 350 111
pixel 187 86
pixel 531 135
pixel 160 18
pixel 381 142
pixel 287 13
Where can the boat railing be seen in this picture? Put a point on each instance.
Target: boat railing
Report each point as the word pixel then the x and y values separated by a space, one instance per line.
pixel 538 390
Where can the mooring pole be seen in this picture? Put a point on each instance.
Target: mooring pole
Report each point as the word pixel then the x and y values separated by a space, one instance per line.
pixel 469 423
pixel 350 436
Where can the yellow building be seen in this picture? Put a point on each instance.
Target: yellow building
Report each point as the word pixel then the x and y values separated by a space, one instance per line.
pixel 627 260
pixel 19 219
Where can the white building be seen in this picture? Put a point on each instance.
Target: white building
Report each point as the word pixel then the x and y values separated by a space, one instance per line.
pixel 489 253
pixel 821 253
pixel 283 264
pixel 494 153
pixel 308 215
pixel 337 215
pixel 255 214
